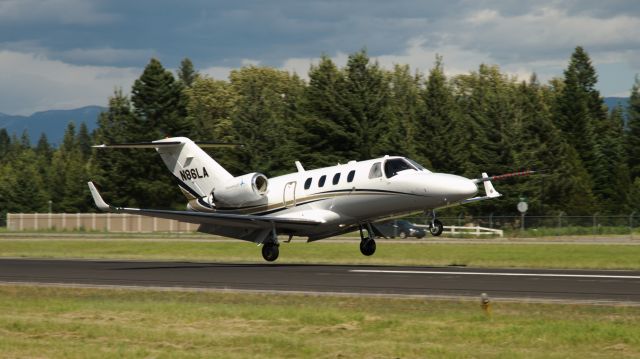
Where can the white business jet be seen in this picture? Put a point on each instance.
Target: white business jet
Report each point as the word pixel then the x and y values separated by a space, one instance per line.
pixel 316 204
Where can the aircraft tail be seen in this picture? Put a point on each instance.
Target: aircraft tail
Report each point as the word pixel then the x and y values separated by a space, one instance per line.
pixel 197 173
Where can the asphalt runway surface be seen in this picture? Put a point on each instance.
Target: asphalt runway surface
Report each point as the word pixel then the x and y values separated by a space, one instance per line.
pixel 512 284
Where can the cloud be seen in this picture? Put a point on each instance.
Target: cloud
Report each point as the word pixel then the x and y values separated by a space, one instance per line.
pixel 106 55
pixel 107 41
pixel 543 33
pixel 56 11
pixel 31 83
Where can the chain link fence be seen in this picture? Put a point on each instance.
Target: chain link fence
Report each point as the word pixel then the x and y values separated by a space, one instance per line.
pixel 557 224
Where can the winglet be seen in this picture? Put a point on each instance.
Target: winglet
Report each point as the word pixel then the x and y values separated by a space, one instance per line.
pixel 97 198
pixel 488 187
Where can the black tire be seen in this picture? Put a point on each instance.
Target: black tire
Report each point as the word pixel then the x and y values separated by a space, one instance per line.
pixel 436 228
pixel 402 235
pixel 270 252
pixel 367 247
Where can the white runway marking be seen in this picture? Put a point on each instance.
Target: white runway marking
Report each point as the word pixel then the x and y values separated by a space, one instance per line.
pixel 557 275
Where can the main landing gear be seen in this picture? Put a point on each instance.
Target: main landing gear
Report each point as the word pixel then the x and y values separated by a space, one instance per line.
pixel 270 251
pixel 367 244
pixel 271 247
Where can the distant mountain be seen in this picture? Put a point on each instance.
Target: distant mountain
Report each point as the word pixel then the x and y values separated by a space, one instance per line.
pixel 612 102
pixel 52 123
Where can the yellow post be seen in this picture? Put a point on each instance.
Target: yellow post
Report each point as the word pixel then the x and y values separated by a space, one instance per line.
pixel 485 303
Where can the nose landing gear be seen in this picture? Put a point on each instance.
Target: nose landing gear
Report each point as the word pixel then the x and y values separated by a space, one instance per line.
pixel 435 227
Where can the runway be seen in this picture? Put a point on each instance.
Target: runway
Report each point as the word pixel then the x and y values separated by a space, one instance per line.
pixel 520 284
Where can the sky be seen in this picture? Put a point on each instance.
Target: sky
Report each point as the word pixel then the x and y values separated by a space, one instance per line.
pixel 63 54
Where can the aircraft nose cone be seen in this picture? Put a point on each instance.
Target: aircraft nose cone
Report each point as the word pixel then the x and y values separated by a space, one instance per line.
pixel 452 188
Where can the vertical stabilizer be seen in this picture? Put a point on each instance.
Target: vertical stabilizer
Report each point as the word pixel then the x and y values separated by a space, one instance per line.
pixel 197 173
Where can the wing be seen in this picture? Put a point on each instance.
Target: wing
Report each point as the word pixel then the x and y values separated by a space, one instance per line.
pixel 226 223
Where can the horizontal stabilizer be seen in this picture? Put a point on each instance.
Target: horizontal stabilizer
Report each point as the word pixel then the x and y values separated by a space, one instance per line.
pixel 165 144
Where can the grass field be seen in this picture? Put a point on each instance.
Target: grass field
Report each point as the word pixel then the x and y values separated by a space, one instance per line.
pixel 97 323
pixel 591 256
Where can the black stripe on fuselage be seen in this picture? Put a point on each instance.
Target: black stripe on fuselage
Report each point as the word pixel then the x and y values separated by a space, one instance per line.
pixel 186 187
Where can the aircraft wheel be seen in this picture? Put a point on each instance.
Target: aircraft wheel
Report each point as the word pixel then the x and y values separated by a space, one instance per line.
pixel 270 252
pixel 367 247
pixel 436 228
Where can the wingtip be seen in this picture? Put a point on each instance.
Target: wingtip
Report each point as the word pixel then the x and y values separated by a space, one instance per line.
pixel 97 198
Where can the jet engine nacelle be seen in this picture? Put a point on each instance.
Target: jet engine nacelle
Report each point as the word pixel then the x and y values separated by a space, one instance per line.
pixel 242 189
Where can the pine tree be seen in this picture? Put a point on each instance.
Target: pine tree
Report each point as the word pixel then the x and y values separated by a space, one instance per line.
pixel 5 143
pixel 330 136
pixel 406 105
pixel 187 74
pixel 615 182
pixel 439 138
pixel 367 100
pixel 562 184
pixel 159 104
pixel 21 186
pixel 43 148
pixel 479 96
pixel 632 138
pixel 84 140
pixel 131 177
pixel 210 104
pixel 264 117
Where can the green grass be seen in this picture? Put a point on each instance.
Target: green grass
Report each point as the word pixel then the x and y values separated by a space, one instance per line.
pixel 99 323
pixel 592 256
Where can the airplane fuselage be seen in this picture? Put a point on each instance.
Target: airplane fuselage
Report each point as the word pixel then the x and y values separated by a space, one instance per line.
pixel 346 195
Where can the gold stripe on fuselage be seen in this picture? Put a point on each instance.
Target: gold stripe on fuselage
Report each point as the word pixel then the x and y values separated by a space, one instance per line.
pixel 307 199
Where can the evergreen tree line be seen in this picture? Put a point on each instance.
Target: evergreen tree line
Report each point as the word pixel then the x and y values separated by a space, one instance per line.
pixel 483 121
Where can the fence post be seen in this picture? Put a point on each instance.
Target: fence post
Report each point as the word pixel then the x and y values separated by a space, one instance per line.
pixel 491 220
pixel 560 219
pixel 631 223
pixel 460 218
pixel 595 222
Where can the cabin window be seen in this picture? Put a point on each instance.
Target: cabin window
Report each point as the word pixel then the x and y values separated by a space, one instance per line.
pixel 393 166
pixel 336 179
pixel 307 183
pixel 321 181
pixel 376 170
pixel 350 176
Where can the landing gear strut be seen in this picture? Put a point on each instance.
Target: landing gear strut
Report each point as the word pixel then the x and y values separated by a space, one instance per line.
pixel 367 244
pixel 435 227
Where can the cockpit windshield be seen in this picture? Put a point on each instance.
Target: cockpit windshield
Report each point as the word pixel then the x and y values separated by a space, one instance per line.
pixel 418 166
pixel 395 165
